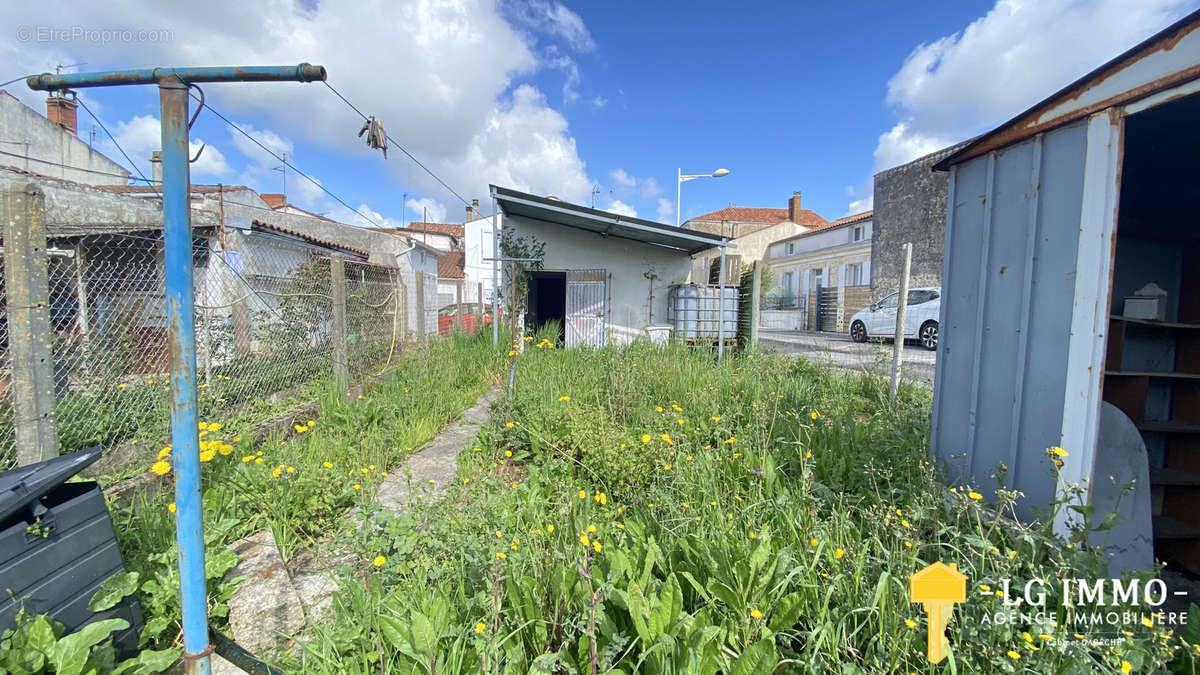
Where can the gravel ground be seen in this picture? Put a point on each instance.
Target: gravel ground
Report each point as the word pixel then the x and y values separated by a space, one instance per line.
pixel 839 351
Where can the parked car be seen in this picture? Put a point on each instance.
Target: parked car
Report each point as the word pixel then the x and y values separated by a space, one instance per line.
pixel 449 314
pixel 920 319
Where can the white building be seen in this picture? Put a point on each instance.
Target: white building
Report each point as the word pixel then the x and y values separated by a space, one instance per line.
pixel 604 277
pixel 48 145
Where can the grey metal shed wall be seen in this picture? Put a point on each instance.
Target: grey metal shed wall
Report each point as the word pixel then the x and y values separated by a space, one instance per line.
pixel 1009 274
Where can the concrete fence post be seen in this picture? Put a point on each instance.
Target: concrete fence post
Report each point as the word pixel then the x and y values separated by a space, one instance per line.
pixel 755 302
pixel 401 306
pixel 419 279
pixel 901 311
pixel 337 285
pixel 29 331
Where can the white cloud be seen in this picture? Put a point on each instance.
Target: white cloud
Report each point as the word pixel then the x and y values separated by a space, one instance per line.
pixel 141 135
pixel 860 205
pixel 570 69
pixel 426 210
pixel 272 141
pixel 556 19
pixel 649 189
pixel 619 207
pixel 599 102
pixel 622 180
pixel 1017 54
pixel 452 94
pixel 666 210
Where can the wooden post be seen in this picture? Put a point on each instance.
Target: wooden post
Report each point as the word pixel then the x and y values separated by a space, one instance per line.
pixel 83 315
pixel 755 301
pixel 458 292
pixel 901 310
pixel 479 306
pixel 29 331
pixel 337 285
pixel 419 279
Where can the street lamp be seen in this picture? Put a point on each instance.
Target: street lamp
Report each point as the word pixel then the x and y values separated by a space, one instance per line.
pixel 683 178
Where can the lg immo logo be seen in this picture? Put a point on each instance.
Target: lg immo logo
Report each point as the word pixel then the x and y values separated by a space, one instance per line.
pixel 938 588
pixel 1110 603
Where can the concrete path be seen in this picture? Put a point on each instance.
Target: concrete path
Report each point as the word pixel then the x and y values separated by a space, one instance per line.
pixel 437 462
pixel 839 351
pixel 277 599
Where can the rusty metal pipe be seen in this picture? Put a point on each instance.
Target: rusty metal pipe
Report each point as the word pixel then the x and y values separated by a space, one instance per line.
pixel 303 72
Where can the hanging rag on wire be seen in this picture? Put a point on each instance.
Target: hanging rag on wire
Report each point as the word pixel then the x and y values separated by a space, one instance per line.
pixel 376 136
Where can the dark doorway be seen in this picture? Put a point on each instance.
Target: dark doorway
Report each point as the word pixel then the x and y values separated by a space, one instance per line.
pixel 547 302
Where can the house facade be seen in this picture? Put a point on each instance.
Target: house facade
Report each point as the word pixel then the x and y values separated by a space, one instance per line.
pixel 821 277
pixel 49 145
pixel 604 277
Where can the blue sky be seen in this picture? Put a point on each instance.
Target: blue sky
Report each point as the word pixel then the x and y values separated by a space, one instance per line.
pixel 557 97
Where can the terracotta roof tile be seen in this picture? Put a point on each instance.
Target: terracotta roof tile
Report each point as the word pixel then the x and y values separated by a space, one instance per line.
pixel 750 214
pixel 436 228
pixel 308 237
pixel 450 265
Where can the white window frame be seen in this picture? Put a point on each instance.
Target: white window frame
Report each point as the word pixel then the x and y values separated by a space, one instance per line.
pixel 858 234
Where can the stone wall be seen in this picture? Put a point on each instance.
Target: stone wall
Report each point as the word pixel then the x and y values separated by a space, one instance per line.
pixel 910 206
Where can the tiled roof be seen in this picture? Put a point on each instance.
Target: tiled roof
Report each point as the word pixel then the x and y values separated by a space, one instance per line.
pixel 450 265
pixel 274 199
pixel 848 220
pixel 308 237
pixel 437 228
pixel 750 214
pixel 858 217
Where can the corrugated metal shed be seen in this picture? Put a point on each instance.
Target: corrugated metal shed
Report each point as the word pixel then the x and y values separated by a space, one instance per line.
pixel 1030 240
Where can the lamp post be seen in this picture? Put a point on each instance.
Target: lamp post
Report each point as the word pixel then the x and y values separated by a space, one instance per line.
pixel 683 178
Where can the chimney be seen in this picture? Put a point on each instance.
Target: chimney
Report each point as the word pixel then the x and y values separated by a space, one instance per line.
pixel 156 167
pixel 794 207
pixel 473 210
pixel 61 110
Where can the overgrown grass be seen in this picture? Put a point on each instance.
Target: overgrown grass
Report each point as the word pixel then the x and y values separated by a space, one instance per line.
pixel 299 486
pixel 646 510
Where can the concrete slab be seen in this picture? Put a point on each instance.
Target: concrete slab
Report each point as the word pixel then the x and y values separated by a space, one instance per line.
pixel 266 606
pixel 436 463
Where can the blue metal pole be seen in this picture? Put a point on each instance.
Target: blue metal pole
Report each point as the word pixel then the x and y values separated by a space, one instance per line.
pixel 181 341
pixel 181 329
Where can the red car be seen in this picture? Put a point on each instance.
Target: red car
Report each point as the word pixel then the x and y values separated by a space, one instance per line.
pixel 448 315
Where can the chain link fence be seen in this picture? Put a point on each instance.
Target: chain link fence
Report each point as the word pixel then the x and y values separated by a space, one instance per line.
pixel 264 319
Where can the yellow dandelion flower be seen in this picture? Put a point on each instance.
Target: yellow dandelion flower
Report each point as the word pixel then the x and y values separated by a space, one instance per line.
pixel 755 614
pixel 645 438
pixel 258 460
pixel 908 544
pixel 214 426
pixel 300 428
pixel 1147 621
pixel 207 455
pixel 583 539
pixel 509 425
pixel 327 465
pixel 383 474
pixel 379 561
pixel 985 588
pixel 666 439
pixel 730 441
pixel 910 623
pixel 291 469
pixel 160 467
pixel 501 555
pixel 974 495
pixel 171 507
pixel 512 352
pixel 666 467
pixel 1013 655
pixel 583 494
pixel 1126 667
pixel 597 547
pixel 479 627
pixel 1059 451
pixel 716 418
pixel 357 486
pixel 751 533
pixel 564 398
pixel 838 554
pixel 550 529
pixel 658 408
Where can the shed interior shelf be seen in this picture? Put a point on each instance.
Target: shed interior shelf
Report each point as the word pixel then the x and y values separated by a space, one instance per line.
pixel 1152 373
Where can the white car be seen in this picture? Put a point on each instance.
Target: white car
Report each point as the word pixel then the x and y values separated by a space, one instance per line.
pixel 920 318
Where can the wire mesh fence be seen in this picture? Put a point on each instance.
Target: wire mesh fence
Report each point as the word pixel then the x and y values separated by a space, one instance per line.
pixel 264 320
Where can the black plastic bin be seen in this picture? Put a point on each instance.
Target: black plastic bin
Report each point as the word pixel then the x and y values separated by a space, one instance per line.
pixel 57 545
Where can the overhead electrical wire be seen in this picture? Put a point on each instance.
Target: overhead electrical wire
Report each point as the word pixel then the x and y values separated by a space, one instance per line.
pixel 398 145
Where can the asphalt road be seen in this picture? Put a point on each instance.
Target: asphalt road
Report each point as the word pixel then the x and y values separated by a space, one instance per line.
pixel 839 351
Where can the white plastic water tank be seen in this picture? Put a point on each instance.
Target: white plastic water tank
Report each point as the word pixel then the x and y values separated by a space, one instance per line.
pixel 659 335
